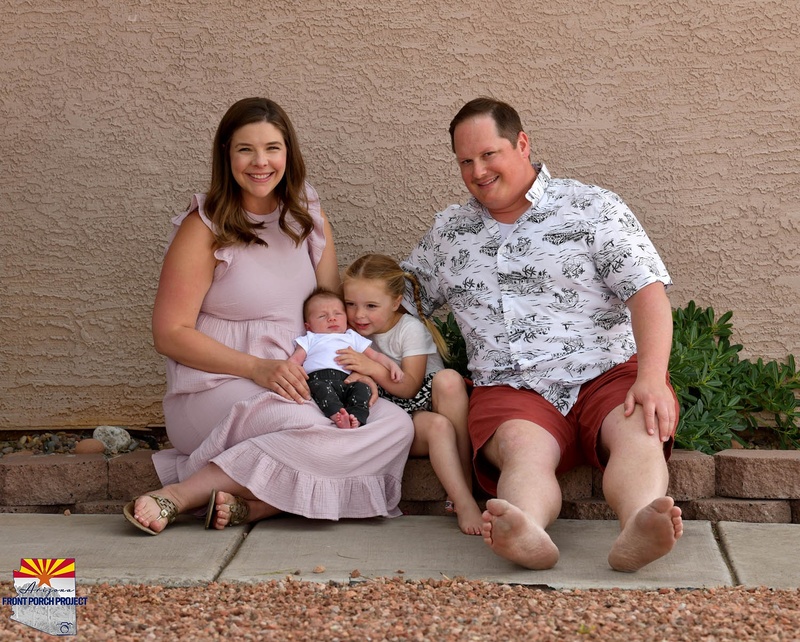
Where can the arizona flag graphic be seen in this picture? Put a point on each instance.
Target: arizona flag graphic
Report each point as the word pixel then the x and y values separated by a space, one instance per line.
pixel 46 594
pixel 46 570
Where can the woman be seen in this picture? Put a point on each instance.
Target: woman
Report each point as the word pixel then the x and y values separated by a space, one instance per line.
pixel 240 263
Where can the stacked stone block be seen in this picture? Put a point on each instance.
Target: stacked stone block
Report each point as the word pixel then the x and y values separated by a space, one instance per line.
pixel 733 485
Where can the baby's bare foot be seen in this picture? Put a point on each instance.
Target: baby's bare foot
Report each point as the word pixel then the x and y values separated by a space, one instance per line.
pixel 648 535
pixel 341 419
pixel 354 423
pixel 511 534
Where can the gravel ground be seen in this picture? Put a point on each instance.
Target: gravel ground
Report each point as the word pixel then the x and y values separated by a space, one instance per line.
pixel 437 610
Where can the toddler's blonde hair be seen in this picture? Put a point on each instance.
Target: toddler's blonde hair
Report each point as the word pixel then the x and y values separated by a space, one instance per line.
pixel 384 268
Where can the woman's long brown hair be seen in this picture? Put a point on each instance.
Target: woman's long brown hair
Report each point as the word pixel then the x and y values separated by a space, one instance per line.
pixel 224 198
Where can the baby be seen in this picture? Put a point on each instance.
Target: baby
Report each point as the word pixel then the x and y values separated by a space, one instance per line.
pixel 347 404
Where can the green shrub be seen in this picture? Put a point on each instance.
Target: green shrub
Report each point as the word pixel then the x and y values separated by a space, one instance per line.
pixel 721 396
pixel 455 344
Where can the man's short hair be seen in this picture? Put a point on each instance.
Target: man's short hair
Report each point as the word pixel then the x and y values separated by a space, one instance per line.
pixel 504 115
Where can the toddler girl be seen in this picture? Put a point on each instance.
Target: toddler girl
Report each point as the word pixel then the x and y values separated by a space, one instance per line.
pixel 435 397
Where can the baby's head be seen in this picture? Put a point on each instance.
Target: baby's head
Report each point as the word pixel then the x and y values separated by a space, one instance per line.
pixel 323 312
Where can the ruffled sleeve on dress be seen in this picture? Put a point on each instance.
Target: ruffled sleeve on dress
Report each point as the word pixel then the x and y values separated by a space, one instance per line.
pixel 316 240
pixel 224 254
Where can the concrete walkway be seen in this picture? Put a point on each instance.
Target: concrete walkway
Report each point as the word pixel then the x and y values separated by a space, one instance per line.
pixel 108 549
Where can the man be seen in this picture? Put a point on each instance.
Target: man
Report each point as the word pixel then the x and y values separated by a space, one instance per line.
pixel 561 299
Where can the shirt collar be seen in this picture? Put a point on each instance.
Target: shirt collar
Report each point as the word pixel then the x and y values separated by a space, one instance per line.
pixel 535 193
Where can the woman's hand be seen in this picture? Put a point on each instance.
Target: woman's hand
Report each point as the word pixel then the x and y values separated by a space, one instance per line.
pixel 284 377
pixel 355 376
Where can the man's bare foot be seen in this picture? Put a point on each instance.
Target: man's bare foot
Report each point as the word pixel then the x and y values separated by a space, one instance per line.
pixel 148 513
pixel 511 534
pixel 648 535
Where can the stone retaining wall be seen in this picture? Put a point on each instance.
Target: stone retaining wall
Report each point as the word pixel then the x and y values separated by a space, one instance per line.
pixel 733 485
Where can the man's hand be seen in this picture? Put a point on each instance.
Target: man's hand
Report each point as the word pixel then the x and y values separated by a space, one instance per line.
pixel 658 405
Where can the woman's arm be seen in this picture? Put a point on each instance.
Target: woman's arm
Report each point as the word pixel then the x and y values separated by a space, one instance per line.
pixel 327 268
pixel 186 277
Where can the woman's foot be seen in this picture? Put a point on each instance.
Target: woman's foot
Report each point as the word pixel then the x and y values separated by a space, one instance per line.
pixel 152 513
pixel 228 510
pixel 648 535
pixel 511 534
pixel 231 510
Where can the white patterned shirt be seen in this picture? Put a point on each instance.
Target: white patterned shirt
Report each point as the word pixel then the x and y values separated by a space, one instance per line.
pixel 545 308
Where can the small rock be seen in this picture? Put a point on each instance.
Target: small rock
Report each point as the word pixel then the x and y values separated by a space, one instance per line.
pixel 67 512
pixel 116 439
pixel 355 573
pixel 89 446
pixel 319 569
pixel 8 449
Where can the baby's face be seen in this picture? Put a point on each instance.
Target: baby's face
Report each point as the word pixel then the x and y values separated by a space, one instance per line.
pixel 326 315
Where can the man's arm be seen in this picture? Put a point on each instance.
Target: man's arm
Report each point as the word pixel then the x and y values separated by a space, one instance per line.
pixel 651 317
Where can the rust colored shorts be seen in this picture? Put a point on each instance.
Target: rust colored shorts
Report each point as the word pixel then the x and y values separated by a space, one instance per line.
pixel 576 433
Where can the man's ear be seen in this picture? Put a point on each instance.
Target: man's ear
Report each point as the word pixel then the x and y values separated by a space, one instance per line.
pixel 524 145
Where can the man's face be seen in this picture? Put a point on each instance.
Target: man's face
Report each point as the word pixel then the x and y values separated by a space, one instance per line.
pixel 495 172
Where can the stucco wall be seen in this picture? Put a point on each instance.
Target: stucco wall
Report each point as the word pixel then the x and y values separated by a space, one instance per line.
pixel 689 109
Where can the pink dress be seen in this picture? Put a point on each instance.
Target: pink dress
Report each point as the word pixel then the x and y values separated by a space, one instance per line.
pixel 289 455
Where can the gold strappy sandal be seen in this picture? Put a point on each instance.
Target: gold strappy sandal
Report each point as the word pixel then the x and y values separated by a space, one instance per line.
pixel 168 511
pixel 240 512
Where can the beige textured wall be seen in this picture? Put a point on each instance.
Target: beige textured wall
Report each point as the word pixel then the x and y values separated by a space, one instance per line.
pixel 689 109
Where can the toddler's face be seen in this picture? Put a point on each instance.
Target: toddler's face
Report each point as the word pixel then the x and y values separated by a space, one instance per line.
pixel 370 308
pixel 326 315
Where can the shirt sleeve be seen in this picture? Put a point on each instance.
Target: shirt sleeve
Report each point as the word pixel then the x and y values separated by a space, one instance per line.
pixel 303 341
pixel 359 343
pixel 415 339
pixel 424 265
pixel 316 239
pixel 625 257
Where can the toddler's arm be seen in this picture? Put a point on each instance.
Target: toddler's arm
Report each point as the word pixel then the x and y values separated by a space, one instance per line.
pixel 395 372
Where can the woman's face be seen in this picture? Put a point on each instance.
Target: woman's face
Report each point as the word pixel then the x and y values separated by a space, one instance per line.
pixel 370 308
pixel 258 163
